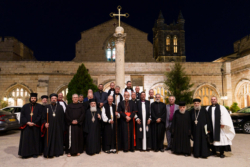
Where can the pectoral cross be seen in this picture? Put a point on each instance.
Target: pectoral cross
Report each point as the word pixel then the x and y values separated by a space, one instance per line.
pixel 119 14
pixel 31 114
pixel 196 122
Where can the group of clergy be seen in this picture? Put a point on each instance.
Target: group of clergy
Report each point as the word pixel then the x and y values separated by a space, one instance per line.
pixel 111 121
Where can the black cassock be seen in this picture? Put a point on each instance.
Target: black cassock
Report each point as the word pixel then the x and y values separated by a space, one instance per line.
pixel 30 139
pixel 127 128
pixel 181 132
pixel 54 147
pixel 158 110
pixel 139 128
pixel 201 145
pixel 93 132
pixel 74 137
pixel 109 130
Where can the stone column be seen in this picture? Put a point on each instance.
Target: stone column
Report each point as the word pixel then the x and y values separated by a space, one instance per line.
pixel 120 37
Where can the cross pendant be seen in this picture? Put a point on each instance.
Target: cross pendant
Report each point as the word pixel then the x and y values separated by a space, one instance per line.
pixel 31 114
pixel 93 119
pixel 54 114
pixel 196 122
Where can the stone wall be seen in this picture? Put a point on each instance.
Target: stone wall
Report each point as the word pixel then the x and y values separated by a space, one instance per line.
pixel 92 45
pixel 47 77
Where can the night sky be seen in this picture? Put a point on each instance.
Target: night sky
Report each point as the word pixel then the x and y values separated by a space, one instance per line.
pixel 52 27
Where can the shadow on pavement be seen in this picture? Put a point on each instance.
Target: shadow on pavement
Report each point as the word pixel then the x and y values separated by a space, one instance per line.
pixel 13 150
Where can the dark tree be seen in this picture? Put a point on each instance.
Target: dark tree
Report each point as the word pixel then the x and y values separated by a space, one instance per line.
pixel 178 84
pixel 80 83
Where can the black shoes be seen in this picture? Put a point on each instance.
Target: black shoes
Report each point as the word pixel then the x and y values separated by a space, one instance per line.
pixel 167 149
pixel 108 152
pixel 222 156
pixel 35 156
pixel 162 150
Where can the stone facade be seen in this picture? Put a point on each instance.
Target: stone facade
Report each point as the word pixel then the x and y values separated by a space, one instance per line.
pixel 92 46
pixel 13 50
pixel 169 40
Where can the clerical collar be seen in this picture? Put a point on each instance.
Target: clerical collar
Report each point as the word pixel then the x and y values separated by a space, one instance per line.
pixel 59 100
pixel 111 89
pixel 100 91
pixel 143 101
pixel 117 93
pixel 151 97
pixel 133 99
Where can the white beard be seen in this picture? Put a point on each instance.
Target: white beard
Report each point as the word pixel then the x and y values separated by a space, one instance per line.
pixel 157 101
pixel 93 109
pixel 183 111
pixel 197 108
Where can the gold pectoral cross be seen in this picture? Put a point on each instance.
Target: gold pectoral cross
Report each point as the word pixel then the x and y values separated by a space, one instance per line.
pixel 31 114
pixel 196 122
pixel 119 14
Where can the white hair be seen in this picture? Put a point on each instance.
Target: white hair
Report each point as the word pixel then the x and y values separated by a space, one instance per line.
pixel 117 87
pixel 172 96
pixel 157 94
pixel 74 95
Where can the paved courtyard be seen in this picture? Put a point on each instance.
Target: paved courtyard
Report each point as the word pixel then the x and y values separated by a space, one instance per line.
pixel 9 147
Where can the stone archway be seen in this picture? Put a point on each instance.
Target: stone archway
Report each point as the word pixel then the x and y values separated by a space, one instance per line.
pixel 17 95
pixel 106 86
pixel 64 90
pixel 205 92
pixel 242 93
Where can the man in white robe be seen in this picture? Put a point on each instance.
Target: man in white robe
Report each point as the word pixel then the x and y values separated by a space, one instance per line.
pixel 223 129
pixel 143 119
pixel 128 89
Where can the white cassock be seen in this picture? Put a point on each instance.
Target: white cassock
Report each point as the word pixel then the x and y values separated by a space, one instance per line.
pixel 117 100
pixel 227 133
pixel 129 91
pixel 151 101
pixel 112 93
pixel 62 103
pixel 144 139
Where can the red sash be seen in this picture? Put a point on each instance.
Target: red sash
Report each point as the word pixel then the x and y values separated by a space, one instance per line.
pixel 128 114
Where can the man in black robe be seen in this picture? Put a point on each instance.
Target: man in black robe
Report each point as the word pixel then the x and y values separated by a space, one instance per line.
pixel 158 113
pixel 53 129
pixel 127 111
pixel 93 128
pixel 117 97
pixel 30 139
pixel 201 125
pixel 133 98
pixel 44 100
pixel 100 96
pixel 128 89
pixel 110 118
pixel 137 92
pixel 74 117
pixel 181 131
pixel 143 119
pixel 112 89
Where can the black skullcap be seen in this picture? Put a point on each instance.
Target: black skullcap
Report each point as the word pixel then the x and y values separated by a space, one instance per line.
pixel 44 96
pixel 33 95
pixel 92 100
pixel 197 100
pixel 182 103
pixel 53 94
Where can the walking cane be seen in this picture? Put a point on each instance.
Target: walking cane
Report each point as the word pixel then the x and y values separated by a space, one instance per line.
pixel 47 128
pixel 116 133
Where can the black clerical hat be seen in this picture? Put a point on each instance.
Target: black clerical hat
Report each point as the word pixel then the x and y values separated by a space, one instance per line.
pixel 44 96
pixel 92 100
pixel 33 94
pixel 197 100
pixel 53 94
pixel 182 103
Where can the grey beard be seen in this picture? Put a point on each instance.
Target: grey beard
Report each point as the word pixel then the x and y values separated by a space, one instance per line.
pixel 182 111
pixel 93 109
pixel 157 101
pixel 197 108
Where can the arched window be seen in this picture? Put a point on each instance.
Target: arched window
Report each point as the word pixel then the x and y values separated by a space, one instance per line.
pixel 162 90
pixel 110 50
pixel 205 93
pixel 17 96
pixel 175 44
pixel 168 44
pixel 243 95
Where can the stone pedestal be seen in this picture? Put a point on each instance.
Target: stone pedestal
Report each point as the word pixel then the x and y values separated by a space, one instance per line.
pixel 120 58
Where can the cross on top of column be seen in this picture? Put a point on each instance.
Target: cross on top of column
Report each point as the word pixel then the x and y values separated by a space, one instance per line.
pixel 119 14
